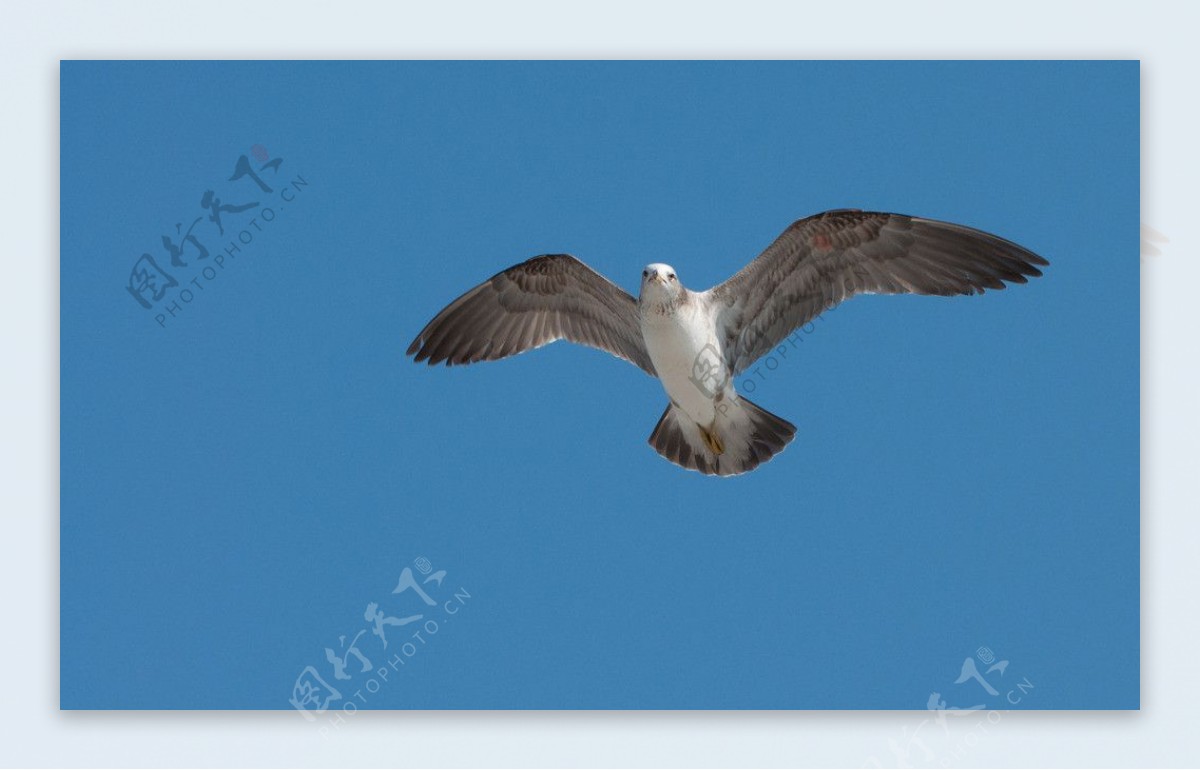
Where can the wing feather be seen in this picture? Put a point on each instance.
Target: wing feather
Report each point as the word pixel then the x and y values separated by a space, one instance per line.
pixel 547 298
pixel 825 259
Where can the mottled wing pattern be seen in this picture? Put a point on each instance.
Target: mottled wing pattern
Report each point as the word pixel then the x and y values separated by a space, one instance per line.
pixel 541 300
pixel 825 259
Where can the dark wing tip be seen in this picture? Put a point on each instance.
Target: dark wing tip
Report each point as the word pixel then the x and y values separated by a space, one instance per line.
pixel 985 260
pixel 420 350
pixel 424 353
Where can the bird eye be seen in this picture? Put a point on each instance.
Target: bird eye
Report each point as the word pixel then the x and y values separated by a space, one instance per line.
pixel 645 273
pixel 671 276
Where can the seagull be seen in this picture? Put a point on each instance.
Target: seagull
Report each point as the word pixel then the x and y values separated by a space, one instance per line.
pixel 696 343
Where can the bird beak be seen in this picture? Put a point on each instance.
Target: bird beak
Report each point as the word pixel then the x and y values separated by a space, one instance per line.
pixel 660 278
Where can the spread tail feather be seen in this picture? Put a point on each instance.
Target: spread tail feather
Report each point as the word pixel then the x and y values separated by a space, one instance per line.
pixel 741 438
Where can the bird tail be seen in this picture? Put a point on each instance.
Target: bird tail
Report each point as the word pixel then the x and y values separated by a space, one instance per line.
pixel 741 438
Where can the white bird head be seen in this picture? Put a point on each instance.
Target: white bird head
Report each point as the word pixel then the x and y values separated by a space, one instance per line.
pixel 660 282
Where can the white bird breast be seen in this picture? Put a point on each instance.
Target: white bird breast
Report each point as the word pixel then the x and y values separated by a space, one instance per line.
pixel 687 355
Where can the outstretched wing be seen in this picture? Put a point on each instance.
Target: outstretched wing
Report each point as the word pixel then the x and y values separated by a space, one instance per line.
pixel 824 259
pixel 541 300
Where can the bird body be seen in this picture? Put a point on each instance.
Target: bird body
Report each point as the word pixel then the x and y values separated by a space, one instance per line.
pixel 677 334
pixel 706 426
pixel 696 343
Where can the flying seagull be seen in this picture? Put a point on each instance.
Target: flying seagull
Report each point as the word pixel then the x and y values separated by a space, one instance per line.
pixel 695 343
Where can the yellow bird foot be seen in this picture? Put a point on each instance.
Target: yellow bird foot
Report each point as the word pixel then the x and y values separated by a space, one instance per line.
pixel 712 441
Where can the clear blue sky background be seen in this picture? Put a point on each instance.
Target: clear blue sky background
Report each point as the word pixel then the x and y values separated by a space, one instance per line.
pixel 239 483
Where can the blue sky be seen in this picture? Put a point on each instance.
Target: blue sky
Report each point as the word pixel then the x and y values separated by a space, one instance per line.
pixel 241 480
